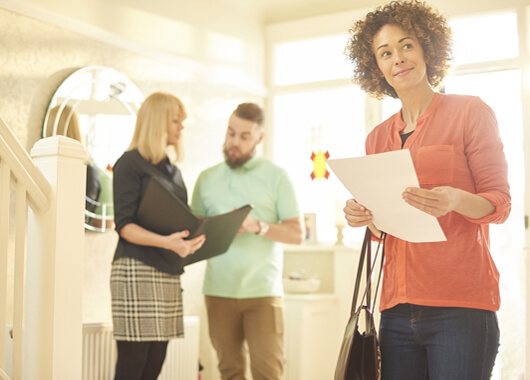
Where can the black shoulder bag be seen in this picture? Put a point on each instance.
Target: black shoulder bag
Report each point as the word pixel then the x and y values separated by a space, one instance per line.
pixel 360 357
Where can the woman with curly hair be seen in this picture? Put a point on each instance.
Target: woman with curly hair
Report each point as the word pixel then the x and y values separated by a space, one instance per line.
pixel 438 299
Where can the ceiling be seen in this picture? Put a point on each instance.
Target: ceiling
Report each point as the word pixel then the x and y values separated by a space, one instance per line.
pixel 274 11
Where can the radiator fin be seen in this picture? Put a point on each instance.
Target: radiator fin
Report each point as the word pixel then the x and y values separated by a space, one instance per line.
pixel 99 353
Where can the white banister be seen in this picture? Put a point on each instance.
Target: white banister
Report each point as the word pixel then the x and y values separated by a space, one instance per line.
pixel 5 175
pixel 53 315
pixel 23 168
pixel 21 219
pixel 3 375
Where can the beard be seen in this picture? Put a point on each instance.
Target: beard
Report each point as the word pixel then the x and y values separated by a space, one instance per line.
pixel 236 162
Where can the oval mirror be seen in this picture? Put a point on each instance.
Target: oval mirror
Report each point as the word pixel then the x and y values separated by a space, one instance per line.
pixel 97 106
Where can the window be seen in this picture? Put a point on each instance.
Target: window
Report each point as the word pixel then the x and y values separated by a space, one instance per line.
pixel 332 118
pixel 501 91
pixel 485 38
pixel 311 60
pixel 329 120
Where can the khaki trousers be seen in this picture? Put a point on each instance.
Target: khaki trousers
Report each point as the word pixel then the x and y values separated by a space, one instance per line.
pixel 260 322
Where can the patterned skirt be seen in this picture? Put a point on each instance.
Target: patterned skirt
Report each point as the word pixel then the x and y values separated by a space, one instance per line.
pixel 146 303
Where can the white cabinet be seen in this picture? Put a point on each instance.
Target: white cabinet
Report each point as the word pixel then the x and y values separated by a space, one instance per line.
pixel 315 322
pixel 335 266
pixel 313 336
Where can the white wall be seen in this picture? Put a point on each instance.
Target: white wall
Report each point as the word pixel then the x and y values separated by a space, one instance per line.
pixel 37 55
pixel 223 35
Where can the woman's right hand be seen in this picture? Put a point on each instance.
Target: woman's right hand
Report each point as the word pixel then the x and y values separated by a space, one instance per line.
pixel 356 214
pixel 181 247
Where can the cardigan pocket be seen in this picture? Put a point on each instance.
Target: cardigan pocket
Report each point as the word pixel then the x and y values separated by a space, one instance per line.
pixel 435 164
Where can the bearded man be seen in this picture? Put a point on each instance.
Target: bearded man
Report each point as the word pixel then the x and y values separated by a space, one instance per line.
pixel 243 287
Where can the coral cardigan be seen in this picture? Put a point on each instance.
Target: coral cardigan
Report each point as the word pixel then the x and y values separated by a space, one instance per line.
pixel 456 143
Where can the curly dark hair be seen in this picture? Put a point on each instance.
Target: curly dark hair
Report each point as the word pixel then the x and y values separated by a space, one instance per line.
pixel 429 27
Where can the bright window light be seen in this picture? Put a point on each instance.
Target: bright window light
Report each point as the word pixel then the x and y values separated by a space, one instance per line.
pixel 501 91
pixel 311 60
pixel 485 38
pixel 330 120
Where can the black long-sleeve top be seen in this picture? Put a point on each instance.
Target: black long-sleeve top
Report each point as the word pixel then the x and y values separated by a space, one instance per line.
pixel 132 173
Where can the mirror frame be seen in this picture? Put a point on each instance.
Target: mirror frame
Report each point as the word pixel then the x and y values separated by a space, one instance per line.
pixel 103 91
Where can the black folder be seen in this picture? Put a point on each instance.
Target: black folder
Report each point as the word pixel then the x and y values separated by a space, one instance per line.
pixel 163 212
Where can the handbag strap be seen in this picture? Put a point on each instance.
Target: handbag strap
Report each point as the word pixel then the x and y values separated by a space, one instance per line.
pixel 365 247
pixel 371 306
pixel 382 239
pixel 365 257
pixel 368 290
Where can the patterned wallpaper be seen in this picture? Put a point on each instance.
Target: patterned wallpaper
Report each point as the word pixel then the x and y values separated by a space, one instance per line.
pixel 34 59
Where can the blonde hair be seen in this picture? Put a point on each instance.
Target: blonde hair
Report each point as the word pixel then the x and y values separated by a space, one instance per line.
pixel 150 132
pixel 68 124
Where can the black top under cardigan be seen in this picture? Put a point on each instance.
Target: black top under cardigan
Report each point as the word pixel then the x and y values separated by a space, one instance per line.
pixel 132 173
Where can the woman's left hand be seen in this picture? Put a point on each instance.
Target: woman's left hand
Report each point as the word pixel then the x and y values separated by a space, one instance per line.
pixel 444 199
pixel 436 202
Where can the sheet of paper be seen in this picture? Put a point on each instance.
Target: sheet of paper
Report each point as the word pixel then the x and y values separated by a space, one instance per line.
pixel 377 181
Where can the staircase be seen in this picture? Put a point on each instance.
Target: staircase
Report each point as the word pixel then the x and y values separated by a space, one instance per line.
pixel 42 199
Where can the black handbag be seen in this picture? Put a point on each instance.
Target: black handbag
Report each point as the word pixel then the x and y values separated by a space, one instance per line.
pixel 360 357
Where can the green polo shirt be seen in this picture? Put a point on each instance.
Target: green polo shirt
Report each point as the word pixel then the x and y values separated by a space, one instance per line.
pixel 253 265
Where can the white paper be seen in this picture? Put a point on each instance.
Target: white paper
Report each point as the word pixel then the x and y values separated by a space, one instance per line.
pixel 377 181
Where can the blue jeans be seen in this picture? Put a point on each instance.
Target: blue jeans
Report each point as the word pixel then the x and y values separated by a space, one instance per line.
pixel 437 343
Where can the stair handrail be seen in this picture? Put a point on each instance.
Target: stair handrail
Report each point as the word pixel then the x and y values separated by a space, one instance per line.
pixel 3 375
pixel 23 169
pixel 47 248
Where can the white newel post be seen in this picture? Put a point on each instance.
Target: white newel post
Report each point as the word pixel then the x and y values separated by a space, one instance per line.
pixel 53 315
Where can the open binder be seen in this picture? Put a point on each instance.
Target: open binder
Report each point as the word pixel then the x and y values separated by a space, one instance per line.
pixel 163 212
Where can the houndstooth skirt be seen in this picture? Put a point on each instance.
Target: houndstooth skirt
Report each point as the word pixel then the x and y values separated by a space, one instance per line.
pixel 146 303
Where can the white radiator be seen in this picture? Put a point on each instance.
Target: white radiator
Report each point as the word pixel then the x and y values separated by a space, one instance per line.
pixel 99 353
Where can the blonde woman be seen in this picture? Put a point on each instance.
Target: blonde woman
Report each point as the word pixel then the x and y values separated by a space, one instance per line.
pixel 145 285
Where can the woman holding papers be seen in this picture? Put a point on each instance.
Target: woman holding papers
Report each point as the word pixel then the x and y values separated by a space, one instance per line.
pixel 438 299
pixel 145 284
